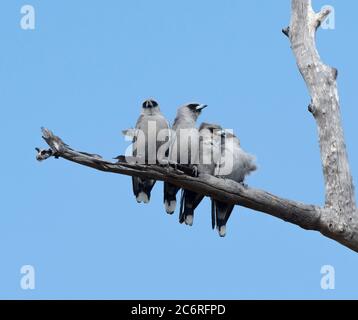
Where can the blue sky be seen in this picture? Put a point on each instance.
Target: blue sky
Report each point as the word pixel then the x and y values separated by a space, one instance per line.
pixel 83 73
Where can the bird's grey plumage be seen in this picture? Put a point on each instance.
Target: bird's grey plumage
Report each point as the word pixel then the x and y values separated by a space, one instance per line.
pixel 144 131
pixel 209 155
pixel 184 122
pixel 241 164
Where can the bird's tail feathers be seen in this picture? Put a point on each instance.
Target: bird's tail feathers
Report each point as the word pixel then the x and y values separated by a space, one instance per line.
pixel 143 197
pixel 213 214
pixel 188 203
pixel 170 192
pixel 186 212
pixel 221 212
pixel 142 189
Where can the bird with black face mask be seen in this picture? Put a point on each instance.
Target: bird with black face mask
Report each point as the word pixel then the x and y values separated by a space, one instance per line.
pixel 146 145
pixel 184 146
pixel 235 164
pixel 209 156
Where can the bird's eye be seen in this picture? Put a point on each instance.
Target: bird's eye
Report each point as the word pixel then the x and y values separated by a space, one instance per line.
pixel 154 103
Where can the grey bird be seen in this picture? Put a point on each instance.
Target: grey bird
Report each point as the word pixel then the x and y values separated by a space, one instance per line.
pixel 183 127
pixel 209 156
pixel 235 164
pixel 150 123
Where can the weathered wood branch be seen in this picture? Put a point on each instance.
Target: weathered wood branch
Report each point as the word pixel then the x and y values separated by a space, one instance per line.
pixel 305 216
pixel 338 219
pixel 340 214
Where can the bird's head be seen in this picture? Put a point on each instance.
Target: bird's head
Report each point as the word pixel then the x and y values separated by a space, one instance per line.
pixel 150 105
pixel 192 110
pixel 229 134
pixel 210 129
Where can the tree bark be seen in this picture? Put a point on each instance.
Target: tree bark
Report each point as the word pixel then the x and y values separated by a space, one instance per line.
pixel 338 218
pixel 340 214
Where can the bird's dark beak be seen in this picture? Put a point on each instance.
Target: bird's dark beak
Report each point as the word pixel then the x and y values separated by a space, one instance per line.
pixel 201 107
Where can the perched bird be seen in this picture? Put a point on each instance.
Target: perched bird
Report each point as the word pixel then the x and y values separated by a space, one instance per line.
pixel 145 145
pixel 235 164
pixel 184 129
pixel 209 156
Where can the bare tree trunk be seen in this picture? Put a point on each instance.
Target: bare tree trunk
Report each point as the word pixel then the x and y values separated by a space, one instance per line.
pixel 338 219
pixel 340 214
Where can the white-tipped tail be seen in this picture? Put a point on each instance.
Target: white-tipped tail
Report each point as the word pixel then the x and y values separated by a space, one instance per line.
pixel 189 220
pixel 170 206
pixel 142 197
pixel 222 231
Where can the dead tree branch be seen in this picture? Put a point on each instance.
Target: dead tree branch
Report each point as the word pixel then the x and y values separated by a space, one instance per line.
pixel 338 219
